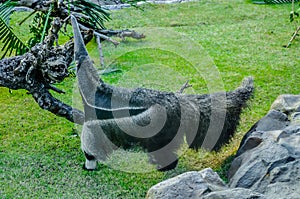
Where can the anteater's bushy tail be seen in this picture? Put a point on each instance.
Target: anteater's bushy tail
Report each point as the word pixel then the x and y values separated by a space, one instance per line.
pixel 236 100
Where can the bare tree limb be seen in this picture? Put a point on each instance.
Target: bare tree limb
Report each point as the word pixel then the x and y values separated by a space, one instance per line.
pixel 123 33
pixel 184 86
pixel 116 43
pixel 100 51
pixel 37 70
pixel 292 17
pixel 293 37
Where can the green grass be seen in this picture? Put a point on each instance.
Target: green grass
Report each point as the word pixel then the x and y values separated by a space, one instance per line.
pixel 40 154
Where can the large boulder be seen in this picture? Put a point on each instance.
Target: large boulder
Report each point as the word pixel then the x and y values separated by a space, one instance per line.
pixel 267 163
pixel 187 185
pixel 268 160
pixel 286 103
pixel 203 184
pixel 273 121
pixel 235 193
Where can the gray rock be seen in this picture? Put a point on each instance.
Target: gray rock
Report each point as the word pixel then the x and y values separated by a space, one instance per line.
pixel 268 161
pixel 295 117
pixel 282 181
pixel 286 103
pixel 187 185
pixel 291 142
pixel 274 120
pixel 267 164
pixel 236 193
pixel 256 163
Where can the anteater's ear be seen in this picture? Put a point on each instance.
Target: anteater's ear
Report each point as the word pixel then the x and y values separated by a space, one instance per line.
pixel 79 47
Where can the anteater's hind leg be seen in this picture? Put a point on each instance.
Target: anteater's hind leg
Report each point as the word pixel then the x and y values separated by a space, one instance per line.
pixel 164 161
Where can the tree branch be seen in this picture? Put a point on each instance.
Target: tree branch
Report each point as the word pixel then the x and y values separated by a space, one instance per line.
pixel 82 27
pixel 184 86
pixel 123 33
pixel 293 37
pixel 100 51
pixel 40 68
pixel 47 102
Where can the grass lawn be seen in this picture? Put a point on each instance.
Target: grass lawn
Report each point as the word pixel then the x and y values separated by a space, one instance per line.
pixel 214 44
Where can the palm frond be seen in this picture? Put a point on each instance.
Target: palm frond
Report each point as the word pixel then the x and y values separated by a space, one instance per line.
pixel 11 42
pixel 95 14
pixel 6 9
pixel 46 24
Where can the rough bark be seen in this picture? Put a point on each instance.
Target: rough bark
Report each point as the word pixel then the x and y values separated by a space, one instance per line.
pixel 44 65
pixel 37 71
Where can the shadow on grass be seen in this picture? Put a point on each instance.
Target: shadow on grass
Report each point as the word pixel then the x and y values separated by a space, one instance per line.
pixel 223 169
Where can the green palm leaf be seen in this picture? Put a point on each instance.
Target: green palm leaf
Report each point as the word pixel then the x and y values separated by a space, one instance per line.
pixel 5 11
pixel 11 42
pixel 95 14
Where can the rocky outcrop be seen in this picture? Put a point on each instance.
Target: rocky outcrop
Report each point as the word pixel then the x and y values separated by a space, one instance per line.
pixel 267 163
pixel 189 185
pixel 268 160
pixel 287 103
pixel 203 184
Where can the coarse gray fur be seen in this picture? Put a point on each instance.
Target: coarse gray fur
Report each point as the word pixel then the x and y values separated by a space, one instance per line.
pixel 157 121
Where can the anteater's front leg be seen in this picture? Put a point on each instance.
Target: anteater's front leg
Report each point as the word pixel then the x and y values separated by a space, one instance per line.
pixel 90 162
